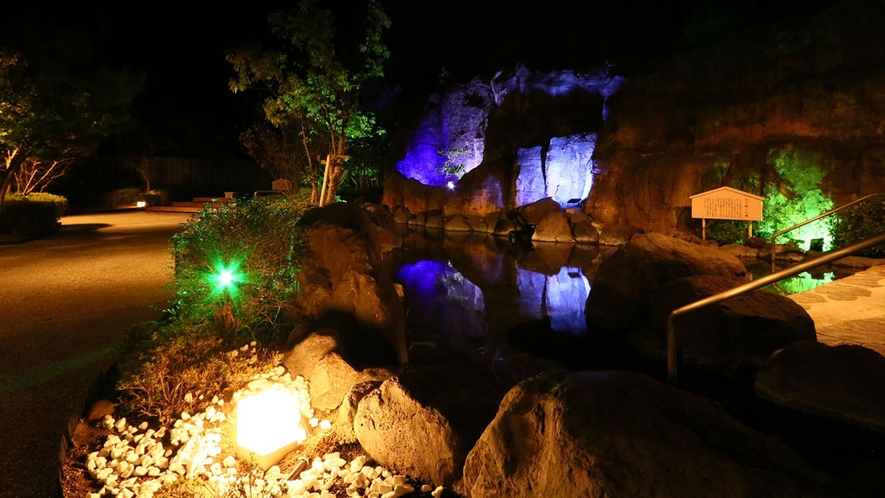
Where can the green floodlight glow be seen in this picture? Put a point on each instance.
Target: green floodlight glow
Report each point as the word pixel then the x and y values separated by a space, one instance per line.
pixel 226 277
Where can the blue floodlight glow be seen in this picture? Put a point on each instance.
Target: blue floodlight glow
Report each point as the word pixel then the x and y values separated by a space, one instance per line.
pixel 452 122
pixel 564 173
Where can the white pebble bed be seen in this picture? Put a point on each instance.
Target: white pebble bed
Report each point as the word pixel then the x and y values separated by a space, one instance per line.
pixel 134 463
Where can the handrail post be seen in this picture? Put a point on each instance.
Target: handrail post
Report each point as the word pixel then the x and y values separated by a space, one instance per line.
pixel 755 284
pixel 831 211
pixel 671 349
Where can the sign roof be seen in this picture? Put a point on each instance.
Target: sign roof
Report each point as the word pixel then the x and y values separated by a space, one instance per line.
pixel 729 190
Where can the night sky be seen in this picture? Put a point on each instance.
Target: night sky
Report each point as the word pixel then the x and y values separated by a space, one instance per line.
pixel 180 46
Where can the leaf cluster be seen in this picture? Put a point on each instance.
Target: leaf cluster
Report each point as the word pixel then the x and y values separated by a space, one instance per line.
pixel 27 217
pixel 314 75
pixel 259 239
pixel 55 99
pixel 858 223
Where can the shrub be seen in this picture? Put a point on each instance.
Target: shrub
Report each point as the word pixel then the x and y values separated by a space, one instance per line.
pixel 860 222
pixel 796 197
pixel 237 262
pixel 122 197
pixel 179 367
pixel 25 217
pixel 726 231
pixel 163 196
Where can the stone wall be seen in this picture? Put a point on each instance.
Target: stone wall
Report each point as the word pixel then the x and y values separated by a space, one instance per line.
pixel 688 123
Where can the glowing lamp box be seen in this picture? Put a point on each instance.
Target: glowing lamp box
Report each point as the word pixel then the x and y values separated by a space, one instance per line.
pixel 726 203
pixel 268 427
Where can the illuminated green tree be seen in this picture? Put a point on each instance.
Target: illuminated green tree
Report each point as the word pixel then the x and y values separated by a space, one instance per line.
pixel 796 196
pixel 789 178
pixel 314 77
pixel 56 101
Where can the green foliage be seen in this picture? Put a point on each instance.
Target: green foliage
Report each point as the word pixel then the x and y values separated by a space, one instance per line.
pixel 449 168
pixel 727 231
pixel 795 197
pixel 25 217
pixel 789 178
pixel 279 150
pixel 56 101
pixel 860 222
pixel 314 76
pixel 257 238
pixel 169 367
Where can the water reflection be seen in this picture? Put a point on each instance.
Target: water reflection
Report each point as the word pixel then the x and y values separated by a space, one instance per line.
pixel 559 297
pixel 469 297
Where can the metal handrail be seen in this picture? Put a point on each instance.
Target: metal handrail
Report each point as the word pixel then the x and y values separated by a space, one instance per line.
pixel 822 215
pixel 755 284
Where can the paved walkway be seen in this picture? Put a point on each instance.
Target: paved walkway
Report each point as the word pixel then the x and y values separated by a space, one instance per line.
pixel 850 310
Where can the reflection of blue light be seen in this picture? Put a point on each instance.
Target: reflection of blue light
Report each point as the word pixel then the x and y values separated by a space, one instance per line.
pixel 560 297
pixel 441 296
pixel 451 185
pixel 433 280
pixel 422 278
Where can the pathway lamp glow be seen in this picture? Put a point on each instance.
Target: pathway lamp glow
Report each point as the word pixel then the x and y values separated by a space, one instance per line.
pixel 268 426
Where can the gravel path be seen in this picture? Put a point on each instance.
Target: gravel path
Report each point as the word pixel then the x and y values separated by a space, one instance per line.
pixel 850 310
pixel 66 302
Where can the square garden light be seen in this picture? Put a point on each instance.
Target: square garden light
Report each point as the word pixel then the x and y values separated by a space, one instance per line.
pixel 268 426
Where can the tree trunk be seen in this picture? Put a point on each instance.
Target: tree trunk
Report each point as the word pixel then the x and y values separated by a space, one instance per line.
pixel 326 180
pixel 335 170
pixel 14 160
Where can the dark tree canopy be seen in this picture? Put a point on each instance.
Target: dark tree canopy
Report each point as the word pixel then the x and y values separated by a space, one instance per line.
pixel 56 101
pixel 314 75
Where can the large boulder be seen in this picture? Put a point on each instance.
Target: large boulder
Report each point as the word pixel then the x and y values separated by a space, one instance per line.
pixel 626 280
pixel 434 219
pixel 346 414
pixel 743 330
pixel 612 434
pixel 330 377
pixel 532 213
pixel 401 215
pixel 401 433
pixel 617 235
pixel 457 223
pixel 845 382
pixel 344 283
pixel 583 229
pixel 553 227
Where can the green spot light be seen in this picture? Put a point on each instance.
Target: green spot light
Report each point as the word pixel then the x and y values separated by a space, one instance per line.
pixel 226 277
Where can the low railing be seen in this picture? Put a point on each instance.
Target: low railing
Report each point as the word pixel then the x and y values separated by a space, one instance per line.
pixel 755 284
pixel 823 215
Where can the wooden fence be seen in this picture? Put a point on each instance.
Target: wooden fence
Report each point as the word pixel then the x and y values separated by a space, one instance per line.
pixel 197 176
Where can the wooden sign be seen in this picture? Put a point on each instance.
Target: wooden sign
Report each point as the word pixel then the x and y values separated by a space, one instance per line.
pixel 726 203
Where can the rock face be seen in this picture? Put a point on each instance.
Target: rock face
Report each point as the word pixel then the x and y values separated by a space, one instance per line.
pixel 330 377
pixel 845 383
pixel 618 434
pixel 533 212
pixel 344 281
pixel 553 227
pixel 628 278
pixel 398 431
pixel 685 123
pixel 520 136
pixel 744 330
